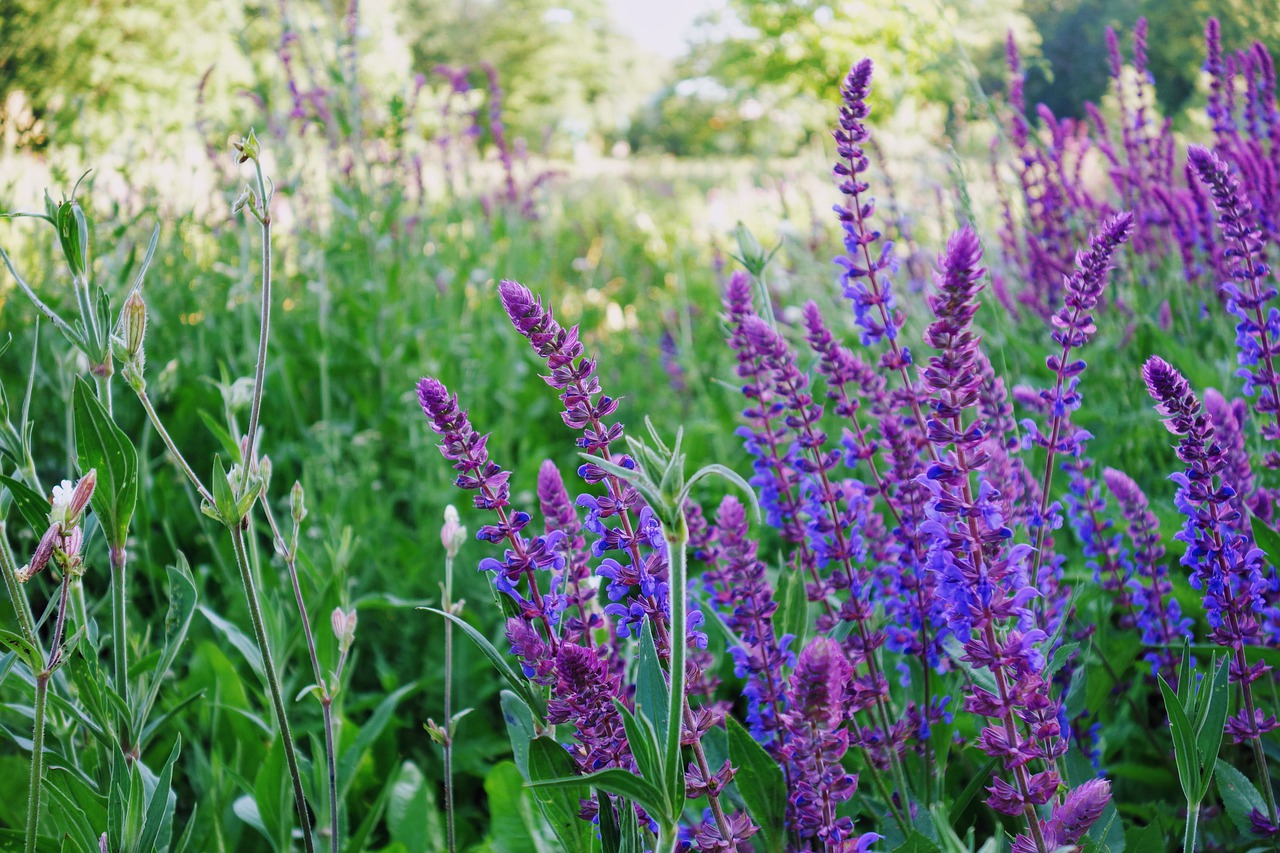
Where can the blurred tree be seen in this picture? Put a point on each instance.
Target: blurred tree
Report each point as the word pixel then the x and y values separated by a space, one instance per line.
pixel 1074 50
pixel 64 58
pixel 926 51
pixel 561 63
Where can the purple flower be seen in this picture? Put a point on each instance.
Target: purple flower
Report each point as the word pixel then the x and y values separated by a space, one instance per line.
pixel 738 588
pixel 466 448
pixel 865 279
pixel 562 518
pixel 1224 564
pixel 1247 293
pixel 1159 616
pixel 813 745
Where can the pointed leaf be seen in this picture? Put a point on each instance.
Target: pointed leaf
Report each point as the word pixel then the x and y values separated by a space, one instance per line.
pixel 615 781
pixel 23 649
pixel 560 805
pixel 1184 744
pixel 33 506
pixel 1239 796
pixel 518 684
pixel 651 685
pixel 103 447
pixel 520 728
pixel 761 784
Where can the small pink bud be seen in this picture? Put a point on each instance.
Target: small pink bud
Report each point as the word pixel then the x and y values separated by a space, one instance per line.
pixel 44 552
pixel 452 533
pixel 80 497
pixel 344 627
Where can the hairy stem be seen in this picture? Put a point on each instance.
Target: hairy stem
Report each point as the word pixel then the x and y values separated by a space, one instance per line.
pixel 21 607
pixel 181 461
pixel 264 327
pixel 448 704
pixel 119 624
pixel 37 760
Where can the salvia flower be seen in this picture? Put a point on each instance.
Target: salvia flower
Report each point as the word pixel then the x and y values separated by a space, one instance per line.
pixel 1248 291
pixel 466 448
pixel 1224 564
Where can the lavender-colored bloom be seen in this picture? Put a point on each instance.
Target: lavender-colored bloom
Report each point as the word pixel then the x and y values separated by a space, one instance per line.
pixel 586 687
pixel 767 438
pixel 814 743
pixel 1247 293
pixel 1224 564
pixel 580 618
pixel 1159 616
pixel 738 588
pixel 981 578
pixel 864 279
pixel 1071 819
pixel 466 448
pixel 638 578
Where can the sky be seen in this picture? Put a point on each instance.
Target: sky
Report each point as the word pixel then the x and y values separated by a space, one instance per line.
pixel 660 26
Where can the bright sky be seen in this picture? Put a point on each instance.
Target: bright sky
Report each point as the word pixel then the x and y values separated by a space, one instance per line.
pixel 660 26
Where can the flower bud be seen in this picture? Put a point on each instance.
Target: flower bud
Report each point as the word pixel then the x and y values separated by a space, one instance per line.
pixel 80 497
pixel 133 325
pixel 452 533
pixel 344 628
pixel 44 552
pixel 297 505
pixel 247 148
pixel 264 471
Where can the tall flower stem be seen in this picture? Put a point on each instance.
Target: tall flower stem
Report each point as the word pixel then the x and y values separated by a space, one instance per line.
pixel 448 703
pixel 326 697
pixel 119 624
pixel 37 760
pixel 41 704
pixel 273 681
pixel 264 320
pixel 21 607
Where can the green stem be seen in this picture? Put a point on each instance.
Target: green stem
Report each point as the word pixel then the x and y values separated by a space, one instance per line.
pixel 9 567
pixel 119 624
pixel 103 384
pixel 448 705
pixel 327 704
pixel 1193 819
pixel 273 681
pixel 264 328
pixel 168 443
pixel 37 760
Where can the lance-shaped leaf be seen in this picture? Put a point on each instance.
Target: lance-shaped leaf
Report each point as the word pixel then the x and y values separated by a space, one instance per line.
pixel 101 446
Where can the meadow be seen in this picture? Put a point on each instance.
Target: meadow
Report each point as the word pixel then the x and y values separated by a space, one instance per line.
pixel 945 587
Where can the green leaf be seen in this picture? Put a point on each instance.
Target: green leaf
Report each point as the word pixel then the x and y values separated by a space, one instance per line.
pixel 370 730
pixel 518 684
pixel 520 728
pixel 976 783
pixel 643 741
pixel 103 447
pixel 610 834
pixel 23 649
pixel 792 616
pixel 182 606
pixel 224 501
pixel 272 791
pixel 1265 538
pixel 761 784
pixel 515 824
pixel 412 816
pixel 917 843
pixel 69 817
pixel 651 686
pixel 1238 796
pixel 33 506
pixel 237 638
pixel 615 781
pixel 549 760
pixel 1184 745
pixel 1217 699
pixel 160 807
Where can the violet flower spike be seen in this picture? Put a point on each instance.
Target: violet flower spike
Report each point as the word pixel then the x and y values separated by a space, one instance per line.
pixel 466 448
pixel 1224 564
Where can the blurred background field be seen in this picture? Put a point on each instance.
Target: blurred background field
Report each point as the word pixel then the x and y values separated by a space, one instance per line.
pixel 422 151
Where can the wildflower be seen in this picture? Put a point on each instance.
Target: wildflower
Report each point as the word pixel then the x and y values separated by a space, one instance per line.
pixel 452 533
pixel 344 627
